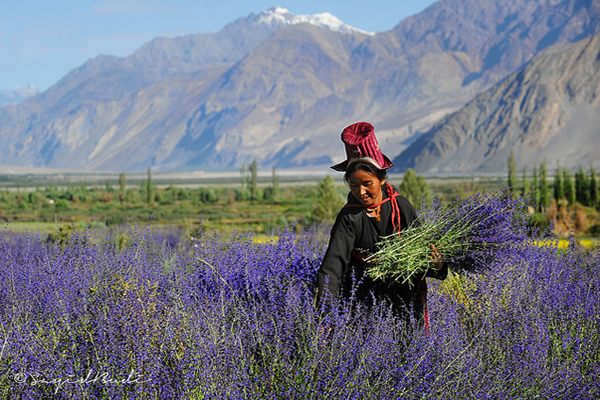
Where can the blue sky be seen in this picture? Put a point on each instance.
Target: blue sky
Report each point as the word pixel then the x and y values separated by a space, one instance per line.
pixel 41 40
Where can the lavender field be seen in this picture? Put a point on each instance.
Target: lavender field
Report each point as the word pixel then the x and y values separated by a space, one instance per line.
pixel 157 315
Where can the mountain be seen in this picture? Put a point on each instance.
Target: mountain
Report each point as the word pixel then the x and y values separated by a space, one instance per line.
pixel 112 78
pixel 279 16
pixel 191 53
pixel 550 108
pixel 279 88
pixel 16 96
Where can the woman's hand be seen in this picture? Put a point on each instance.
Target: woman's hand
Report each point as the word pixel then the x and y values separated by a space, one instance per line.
pixel 436 257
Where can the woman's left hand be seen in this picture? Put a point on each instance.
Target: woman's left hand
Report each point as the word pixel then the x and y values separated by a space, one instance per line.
pixel 436 257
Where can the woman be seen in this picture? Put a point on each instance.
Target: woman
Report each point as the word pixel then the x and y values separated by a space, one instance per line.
pixel 374 209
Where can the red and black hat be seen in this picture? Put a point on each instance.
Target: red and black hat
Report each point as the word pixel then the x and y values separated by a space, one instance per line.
pixel 361 145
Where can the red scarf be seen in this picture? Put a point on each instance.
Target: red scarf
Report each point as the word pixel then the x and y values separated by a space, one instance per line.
pixel 392 194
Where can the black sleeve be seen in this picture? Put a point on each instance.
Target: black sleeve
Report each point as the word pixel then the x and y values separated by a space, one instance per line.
pixel 408 214
pixel 337 256
pixel 441 273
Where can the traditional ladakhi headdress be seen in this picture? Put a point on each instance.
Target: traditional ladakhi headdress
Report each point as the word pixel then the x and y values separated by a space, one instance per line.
pixel 361 145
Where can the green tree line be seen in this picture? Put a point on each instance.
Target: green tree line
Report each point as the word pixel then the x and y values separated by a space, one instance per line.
pixel 582 187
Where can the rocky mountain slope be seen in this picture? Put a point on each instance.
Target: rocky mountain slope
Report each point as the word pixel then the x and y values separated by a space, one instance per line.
pixel 550 108
pixel 280 92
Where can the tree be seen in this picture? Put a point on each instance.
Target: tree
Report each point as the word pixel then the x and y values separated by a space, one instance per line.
pixel 253 180
pixel 415 189
pixel 272 193
pixel 209 196
pixel 525 183
pixel 149 187
pixel 559 189
pixel 594 192
pixel 512 174
pixel 329 201
pixel 535 190
pixel 244 179
pixel 122 186
pixel 544 192
pixel 581 187
pixel 568 185
pixel 275 179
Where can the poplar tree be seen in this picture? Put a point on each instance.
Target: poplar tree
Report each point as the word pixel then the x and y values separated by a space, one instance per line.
pixel 275 179
pixel 122 186
pixel 535 190
pixel 243 177
pixel 253 180
pixel 568 185
pixel 581 187
pixel 559 189
pixel 512 173
pixel 525 183
pixel 149 187
pixel 594 192
pixel 544 193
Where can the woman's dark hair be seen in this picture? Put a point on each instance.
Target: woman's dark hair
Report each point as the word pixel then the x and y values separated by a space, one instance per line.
pixel 364 166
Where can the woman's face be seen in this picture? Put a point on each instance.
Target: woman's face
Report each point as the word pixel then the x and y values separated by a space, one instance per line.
pixel 366 187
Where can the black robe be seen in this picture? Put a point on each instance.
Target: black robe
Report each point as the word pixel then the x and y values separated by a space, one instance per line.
pixel 354 230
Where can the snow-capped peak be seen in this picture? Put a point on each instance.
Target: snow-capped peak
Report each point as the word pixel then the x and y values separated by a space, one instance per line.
pixel 281 16
pixel 15 96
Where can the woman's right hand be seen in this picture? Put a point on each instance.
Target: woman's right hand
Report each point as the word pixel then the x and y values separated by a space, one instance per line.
pixel 436 257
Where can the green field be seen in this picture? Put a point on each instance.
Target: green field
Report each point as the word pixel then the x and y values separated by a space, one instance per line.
pixel 224 202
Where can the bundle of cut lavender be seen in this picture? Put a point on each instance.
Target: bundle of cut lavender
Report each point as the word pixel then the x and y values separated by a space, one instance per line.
pixel 469 234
